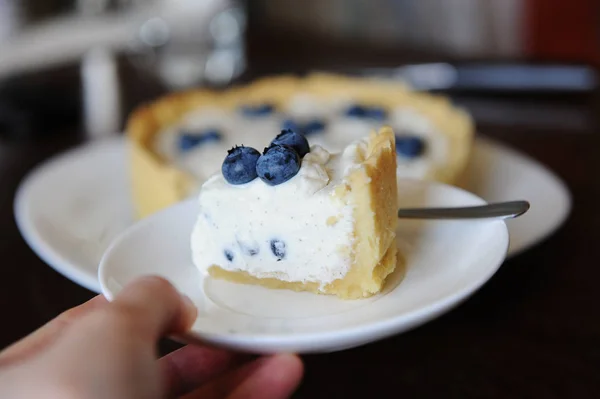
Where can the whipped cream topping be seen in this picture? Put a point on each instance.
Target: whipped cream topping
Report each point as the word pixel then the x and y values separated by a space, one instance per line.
pixel 340 130
pixel 297 231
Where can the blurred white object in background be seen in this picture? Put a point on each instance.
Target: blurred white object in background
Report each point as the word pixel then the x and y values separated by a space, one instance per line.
pixel 181 42
pixel 92 7
pixel 10 19
pixel 173 38
pixel 62 41
pixel 101 96
pixel 183 49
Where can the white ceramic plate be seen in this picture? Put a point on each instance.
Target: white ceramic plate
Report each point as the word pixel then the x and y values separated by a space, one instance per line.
pixel 69 209
pixel 446 261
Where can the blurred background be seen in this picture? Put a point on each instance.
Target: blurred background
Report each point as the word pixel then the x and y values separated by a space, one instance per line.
pixel 84 64
pixel 72 70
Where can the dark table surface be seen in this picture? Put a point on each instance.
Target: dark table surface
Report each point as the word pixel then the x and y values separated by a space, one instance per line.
pixel 532 331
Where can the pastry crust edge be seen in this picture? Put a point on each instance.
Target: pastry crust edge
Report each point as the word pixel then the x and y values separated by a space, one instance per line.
pixel 156 184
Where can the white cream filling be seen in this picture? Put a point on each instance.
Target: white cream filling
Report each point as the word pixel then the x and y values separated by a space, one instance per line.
pixel 243 222
pixel 206 159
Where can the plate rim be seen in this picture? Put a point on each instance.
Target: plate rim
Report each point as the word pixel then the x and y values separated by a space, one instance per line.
pixel 26 226
pixel 556 180
pixel 381 328
pixel 88 280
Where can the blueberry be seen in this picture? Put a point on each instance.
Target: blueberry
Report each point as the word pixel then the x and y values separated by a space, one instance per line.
pixel 409 146
pixel 189 140
pixel 361 111
pixel 356 111
pixel 278 249
pixel 257 110
pixel 239 166
pixel 377 113
pixel 278 164
pixel 312 127
pixel 228 254
pixel 290 124
pixel 295 140
pixel 251 251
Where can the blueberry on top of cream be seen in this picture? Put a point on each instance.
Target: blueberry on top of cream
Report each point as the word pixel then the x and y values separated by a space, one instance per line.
pixel 189 140
pixel 257 110
pixel 239 166
pixel 293 139
pixel 278 164
pixel 409 146
pixel 363 111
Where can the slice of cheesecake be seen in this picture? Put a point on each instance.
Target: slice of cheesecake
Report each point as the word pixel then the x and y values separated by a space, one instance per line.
pixel 329 228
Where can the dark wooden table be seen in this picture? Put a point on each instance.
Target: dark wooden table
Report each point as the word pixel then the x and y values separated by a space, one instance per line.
pixel 533 331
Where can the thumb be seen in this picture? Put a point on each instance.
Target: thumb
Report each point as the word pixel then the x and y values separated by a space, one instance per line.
pixel 154 308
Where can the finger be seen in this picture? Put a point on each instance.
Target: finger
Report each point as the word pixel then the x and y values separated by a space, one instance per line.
pixel 191 366
pixel 152 308
pixel 117 344
pixel 276 379
pixel 46 334
pixel 222 386
pixel 236 382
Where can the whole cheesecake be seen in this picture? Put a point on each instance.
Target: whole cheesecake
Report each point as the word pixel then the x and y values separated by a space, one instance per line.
pixel 177 142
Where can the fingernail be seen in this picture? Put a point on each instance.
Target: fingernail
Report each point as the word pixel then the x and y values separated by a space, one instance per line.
pixel 191 310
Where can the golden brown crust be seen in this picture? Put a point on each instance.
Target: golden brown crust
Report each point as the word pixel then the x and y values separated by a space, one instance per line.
pixel 373 193
pixel 157 184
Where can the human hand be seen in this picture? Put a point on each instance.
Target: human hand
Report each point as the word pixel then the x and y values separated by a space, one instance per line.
pixel 108 350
